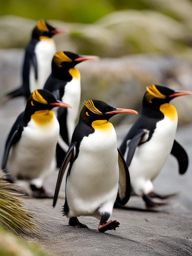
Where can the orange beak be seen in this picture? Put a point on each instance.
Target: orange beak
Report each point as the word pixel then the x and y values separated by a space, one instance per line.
pixel 60 104
pixel 123 111
pixel 58 31
pixel 84 58
pixel 180 93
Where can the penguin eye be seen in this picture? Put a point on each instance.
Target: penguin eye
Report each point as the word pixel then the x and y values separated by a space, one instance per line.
pixel 32 104
pixel 87 114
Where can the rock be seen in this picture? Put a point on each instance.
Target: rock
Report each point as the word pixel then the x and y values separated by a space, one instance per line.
pixel 179 10
pixel 115 35
pixel 145 31
pixel 15 31
pixel 119 81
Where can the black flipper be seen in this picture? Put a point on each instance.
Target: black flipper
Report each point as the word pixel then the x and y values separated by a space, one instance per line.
pixel 12 139
pixel 30 60
pixel 60 155
pixel 181 155
pixel 60 151
pixel 69 158
pixel 134 142
pixel 35 66
pixel 124 182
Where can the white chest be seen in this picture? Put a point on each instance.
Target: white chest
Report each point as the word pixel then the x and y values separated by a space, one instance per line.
pixel 93 180
pixel 72 96
pixel 44 51
pixel 150 157
pixel 35 151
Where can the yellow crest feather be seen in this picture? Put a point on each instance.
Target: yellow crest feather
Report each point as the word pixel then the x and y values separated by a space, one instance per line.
pixel 38 97
pixel 153 92
pixel 90 105
pixel 60 57
pixel 41 25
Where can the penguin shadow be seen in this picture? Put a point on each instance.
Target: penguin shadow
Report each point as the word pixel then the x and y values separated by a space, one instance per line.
pixel 93 232
pixel 138 209
pixel 163 206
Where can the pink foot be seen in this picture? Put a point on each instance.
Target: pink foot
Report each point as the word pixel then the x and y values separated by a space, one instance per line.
pixel 112 224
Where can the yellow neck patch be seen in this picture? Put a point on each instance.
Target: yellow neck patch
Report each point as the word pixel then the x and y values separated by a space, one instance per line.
pixel 45 38
pixel 102 125
pixel 43 117
pixel 74 73
pixel 169 111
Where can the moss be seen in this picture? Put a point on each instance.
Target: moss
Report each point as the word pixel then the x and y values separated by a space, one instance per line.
pixel 11 245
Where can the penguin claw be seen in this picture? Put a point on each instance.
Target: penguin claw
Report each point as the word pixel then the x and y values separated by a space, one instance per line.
pixel 151 203
pixel 40 193
pixel 110 225
pixel 155 204
pixel 74 222
pixel 162 197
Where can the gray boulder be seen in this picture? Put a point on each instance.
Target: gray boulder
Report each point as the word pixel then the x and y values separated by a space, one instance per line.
pixel 115 35
pixel 119 81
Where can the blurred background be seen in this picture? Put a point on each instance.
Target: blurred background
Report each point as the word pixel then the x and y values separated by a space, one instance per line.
pixel 139 43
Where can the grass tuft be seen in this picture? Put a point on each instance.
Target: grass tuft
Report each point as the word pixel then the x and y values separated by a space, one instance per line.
pixel 13 215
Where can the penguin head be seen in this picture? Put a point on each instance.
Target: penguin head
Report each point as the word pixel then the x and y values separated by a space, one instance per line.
pixel 67 60
pixel 44 100
pixel 94 110
pixel 44 29
pixel 156 95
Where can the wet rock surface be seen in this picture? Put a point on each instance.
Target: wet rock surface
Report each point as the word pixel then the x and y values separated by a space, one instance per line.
pixel 166 231
pixel 118 81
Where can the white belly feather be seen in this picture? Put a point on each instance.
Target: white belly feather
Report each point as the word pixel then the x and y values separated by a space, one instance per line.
pixel 33 156
pixel 93 182
pixel 44 51
pixel 150 157
pixel 72 96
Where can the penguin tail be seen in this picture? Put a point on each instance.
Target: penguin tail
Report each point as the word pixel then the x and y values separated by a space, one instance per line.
pixel 18 92
pixel 11 95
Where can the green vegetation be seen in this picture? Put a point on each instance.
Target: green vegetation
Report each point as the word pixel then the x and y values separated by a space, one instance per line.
pixel 84 11
pixel 72 11
pixel 11 245
pixel 16 220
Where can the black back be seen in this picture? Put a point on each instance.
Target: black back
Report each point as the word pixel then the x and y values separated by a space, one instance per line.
pixel 13 138
pixel 30 61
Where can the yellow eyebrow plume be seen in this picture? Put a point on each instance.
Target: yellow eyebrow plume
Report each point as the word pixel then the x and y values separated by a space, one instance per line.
pixel 41 25
pixel 60 57
pixel 38 97
pixel 153 91
pixel 90 105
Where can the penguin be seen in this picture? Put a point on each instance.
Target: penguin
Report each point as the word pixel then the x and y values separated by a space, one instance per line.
pixel 37 59
pixel 64 83
pixel 94 168
pixel 30 146
pixel 150 140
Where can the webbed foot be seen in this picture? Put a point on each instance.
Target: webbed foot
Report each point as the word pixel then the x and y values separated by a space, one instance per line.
pixel 151 203
pixel 40 193
pixel 74 222
pixel 162 197
pixel 110 225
